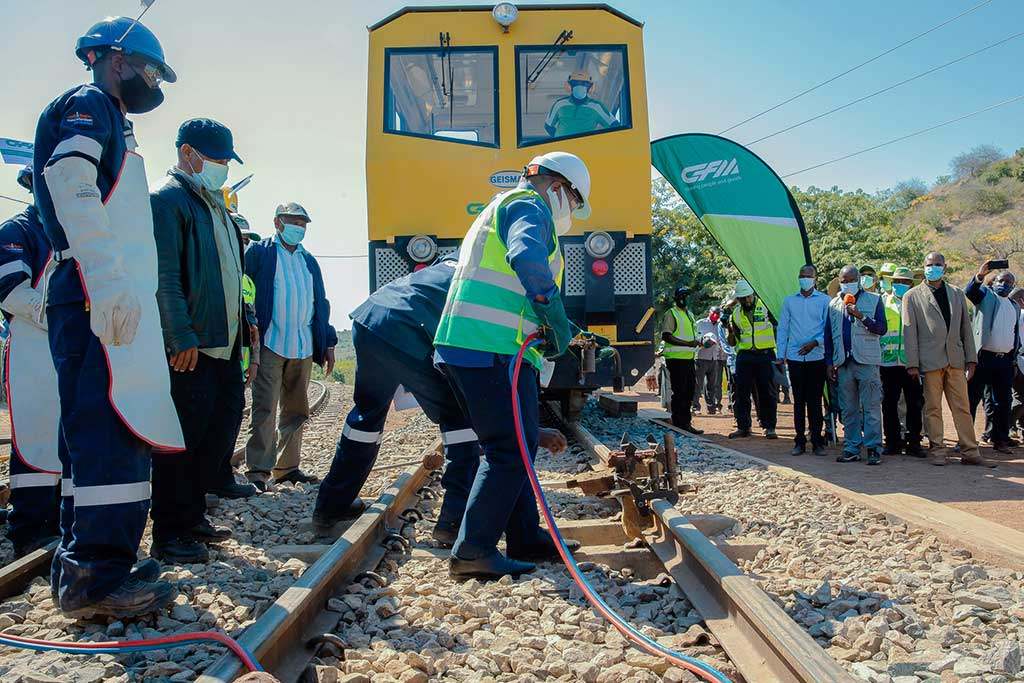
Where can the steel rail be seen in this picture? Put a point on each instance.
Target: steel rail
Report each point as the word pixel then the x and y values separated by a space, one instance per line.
pixel 281 638
pixel 761 640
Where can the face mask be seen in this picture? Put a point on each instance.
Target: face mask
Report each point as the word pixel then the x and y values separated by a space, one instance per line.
pixel 212 176
pixel 806 284
pixel 885 286
pixel 900 289
pixel 137 96
pixel 292 234
pixel 560 211
pixel 849 287
pixel 579 92
pixel 934 273
pixel 867 281
pixel 1003 289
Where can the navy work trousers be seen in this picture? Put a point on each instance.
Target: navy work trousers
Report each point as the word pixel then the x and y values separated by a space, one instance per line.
pixel 209 402
pixel 35 505
pixel 500 499
pixel 105 468
pixel 380 369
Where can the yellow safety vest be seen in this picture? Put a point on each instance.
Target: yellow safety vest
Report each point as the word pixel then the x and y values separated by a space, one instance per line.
pixel 759 336
pixel 686 330
pixel 248 298
pixel 487 308
pixel 893 351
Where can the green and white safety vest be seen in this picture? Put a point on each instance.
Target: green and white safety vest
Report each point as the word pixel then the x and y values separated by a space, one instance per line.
pixel 248 299
pixel 893 351
pixel 487 308
pixel 760 336
pixel 686 329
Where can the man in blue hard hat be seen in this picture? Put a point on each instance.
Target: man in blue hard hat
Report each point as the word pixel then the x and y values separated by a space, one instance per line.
pixel 31 382
pixel 393 335
pixel 104 326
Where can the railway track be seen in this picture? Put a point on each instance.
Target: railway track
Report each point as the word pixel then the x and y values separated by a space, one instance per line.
pixel 760 639
pixel 15 576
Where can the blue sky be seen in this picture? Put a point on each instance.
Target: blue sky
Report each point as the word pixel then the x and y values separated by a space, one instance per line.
pixel 290 80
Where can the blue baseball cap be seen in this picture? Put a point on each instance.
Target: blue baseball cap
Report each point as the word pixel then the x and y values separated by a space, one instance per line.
pixel 210 138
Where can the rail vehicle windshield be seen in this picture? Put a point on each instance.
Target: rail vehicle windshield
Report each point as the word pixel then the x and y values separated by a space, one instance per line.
pixel 576 91
pixel 444 94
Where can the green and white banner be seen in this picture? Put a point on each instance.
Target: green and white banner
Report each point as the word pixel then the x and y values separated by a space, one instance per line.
pixel 744 205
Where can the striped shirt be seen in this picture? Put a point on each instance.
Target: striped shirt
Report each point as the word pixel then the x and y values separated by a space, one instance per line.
pixel 290 333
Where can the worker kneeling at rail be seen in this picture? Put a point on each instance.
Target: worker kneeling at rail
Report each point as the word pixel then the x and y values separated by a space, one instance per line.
pixel 507 286
pixel 393 335
pixel 31 382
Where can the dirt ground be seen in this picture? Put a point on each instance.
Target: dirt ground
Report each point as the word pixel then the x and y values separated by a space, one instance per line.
pixel 993 494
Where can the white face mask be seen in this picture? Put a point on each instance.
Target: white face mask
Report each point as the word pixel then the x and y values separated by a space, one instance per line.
pixel 212 176
pixel 560 211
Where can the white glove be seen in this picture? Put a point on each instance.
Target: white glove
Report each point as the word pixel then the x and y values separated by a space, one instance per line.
pixel 114 309
pixel 25 303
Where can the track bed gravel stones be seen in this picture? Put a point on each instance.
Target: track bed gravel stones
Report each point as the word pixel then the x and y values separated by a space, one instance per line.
pixel 893 603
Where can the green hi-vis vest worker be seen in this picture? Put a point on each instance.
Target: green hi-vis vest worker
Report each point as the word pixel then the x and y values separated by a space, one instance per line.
pixel 760 336
pixel 248 299
pixel 893 351
pixel 487 308
pixel 686 329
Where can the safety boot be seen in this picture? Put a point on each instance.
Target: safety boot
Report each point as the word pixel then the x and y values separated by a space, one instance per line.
pixel 543 551
pixel 445 534
pixel 323 520
pixel 180 550
pixel 131 599
pixel 493 566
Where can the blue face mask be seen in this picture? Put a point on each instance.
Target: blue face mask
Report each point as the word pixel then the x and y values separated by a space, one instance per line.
pixel 806 283
pixel 292 234
pixel 900 289
pixel 1003 289
pixel 849 287
pixel 934 273
pixel 579 92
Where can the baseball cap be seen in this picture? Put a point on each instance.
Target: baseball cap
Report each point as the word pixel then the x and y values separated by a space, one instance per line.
pixel 210 138
pixel 292 209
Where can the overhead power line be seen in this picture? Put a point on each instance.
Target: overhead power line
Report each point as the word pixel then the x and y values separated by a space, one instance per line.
pixel 886 89
pixel 19 201
pixel 908 136
pixel 858 66
pixel 341 256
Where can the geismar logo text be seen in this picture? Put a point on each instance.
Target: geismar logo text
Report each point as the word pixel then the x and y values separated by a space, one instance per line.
pixel 715 169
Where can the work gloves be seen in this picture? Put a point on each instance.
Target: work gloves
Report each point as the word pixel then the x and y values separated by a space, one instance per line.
pixel 557 328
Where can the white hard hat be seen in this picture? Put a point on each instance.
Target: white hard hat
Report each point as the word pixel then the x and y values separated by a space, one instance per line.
pixel 570 167
pixel 742 289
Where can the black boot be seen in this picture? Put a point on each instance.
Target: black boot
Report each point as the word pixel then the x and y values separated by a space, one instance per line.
pixel 130 599
pixel 180 550
pixel 493 566
pixel 543 550
pixel 445 534
pixel 206 532
pixel 324 520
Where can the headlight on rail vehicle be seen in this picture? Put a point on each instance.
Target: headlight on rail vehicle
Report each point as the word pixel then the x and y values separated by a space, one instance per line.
pixel 421 249
pixel 599 244
pixel 505 13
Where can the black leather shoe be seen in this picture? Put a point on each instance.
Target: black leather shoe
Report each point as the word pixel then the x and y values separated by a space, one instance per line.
pixel 205 532
pixel 798 450
pixel 915 450
pixel 297 477
pixel 543 551
pixel 181 550
pixel 873 457
pixel 324 520
pixel 692 430
pixel 892 450
pixel 445 535
pixel 740 434
pixel 770 434
pixel 819 451
pixel 147 570
pixel 236 491
pixel 493 566
pixel 131 599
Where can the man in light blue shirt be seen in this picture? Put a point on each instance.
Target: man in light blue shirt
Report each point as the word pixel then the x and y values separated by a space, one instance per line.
pixel 800 342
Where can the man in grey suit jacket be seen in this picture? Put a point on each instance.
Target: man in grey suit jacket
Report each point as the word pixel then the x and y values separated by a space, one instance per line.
pixel 940 349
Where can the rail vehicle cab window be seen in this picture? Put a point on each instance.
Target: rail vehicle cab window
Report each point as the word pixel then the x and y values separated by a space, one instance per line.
pixel 576 91
pixel 449 95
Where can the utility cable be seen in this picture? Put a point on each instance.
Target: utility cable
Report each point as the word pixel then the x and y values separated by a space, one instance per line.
pixel 341 256
pixel 854 68
pixel 909 135
pixel 19 201
pixel 886 89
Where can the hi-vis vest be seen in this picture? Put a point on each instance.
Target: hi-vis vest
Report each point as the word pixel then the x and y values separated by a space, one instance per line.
pixel 248 299
pixel 760 336
pixel 893 351
pixel 685 330
pixel 487 308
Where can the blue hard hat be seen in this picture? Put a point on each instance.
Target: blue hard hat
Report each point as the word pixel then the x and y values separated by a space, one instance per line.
pixel 25 177
pixel 111 34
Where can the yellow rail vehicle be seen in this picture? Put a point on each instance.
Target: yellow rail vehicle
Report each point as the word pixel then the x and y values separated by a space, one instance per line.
pixel 461 98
